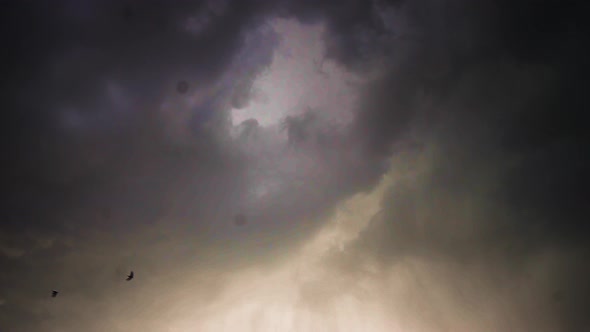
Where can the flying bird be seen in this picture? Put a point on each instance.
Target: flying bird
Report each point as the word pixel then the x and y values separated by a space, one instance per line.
pixel 54 293
pixel 130 276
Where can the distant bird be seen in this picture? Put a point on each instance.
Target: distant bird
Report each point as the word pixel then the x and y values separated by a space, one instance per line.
pixel 182 87
pixel 130 276
pixel 54 293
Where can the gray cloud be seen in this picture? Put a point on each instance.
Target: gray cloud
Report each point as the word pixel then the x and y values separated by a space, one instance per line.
pixel 109 168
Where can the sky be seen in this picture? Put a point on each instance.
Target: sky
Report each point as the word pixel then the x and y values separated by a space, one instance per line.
pixel 385 165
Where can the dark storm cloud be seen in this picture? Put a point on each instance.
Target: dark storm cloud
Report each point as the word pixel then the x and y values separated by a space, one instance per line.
pixel 66 58
pixel 493 91
pixel 354 30
pixel 93 157
pixel 502 100
pixel 112 164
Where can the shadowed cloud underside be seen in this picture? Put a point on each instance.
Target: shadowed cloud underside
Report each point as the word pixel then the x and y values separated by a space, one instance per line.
pixel 408 165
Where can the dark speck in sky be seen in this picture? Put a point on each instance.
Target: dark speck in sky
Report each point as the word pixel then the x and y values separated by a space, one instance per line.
pixel 182 87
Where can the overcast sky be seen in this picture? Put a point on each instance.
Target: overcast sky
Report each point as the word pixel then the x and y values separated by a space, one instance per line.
pixel 402 165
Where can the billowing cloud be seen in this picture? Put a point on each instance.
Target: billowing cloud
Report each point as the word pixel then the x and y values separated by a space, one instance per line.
pixel 413 165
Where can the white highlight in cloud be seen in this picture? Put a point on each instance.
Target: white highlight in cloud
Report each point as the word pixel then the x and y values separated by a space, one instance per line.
pixel 299 78
pixel 284 297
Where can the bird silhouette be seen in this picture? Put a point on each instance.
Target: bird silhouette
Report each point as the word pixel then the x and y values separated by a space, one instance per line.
pixel 130 276
pixel 54 293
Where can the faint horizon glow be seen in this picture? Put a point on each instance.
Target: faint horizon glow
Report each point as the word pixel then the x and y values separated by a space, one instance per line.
pixel 274 298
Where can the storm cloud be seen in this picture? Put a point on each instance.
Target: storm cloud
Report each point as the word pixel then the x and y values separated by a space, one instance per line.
pixel 427 171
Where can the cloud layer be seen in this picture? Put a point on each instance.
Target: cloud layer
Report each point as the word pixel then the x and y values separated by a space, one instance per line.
pixel 450 197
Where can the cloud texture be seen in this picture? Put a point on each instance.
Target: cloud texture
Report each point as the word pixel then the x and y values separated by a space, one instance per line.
pixel 427 172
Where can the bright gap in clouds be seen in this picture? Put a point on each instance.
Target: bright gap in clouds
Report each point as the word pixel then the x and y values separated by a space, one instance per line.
pixel 299 78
